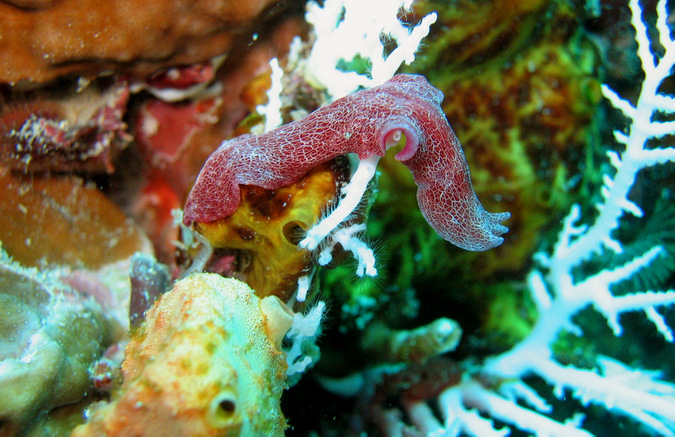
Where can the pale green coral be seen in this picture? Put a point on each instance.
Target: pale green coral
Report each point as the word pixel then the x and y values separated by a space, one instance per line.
pixel 49 336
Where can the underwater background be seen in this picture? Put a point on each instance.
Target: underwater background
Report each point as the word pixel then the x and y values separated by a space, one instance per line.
pixel 116 319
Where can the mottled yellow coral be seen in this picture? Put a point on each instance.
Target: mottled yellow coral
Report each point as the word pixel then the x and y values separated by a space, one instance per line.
pixel 206 362
pixel 267 226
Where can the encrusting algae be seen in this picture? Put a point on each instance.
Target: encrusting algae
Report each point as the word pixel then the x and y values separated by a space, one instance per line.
pixel 207 361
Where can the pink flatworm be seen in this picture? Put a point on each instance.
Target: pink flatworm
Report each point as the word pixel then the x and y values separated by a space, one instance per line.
pixel 363 123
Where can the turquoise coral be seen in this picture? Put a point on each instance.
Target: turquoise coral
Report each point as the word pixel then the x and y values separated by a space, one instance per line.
pixel 206 361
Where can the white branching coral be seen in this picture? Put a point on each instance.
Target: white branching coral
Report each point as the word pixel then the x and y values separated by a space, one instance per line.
pixel 351 30
pixel 329 228
pixel 559 296
pixel 272 110
pixel 302 338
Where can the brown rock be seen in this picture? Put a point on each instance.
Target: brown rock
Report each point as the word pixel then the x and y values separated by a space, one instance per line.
pixel 62 221
pixel 41 40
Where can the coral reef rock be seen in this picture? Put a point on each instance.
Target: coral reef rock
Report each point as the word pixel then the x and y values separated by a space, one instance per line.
pixel 82 131
pixel 63 221
pixel 48 39
pixel 206 361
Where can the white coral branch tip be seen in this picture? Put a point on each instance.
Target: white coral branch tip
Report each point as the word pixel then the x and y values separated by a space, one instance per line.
pixel 353 193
